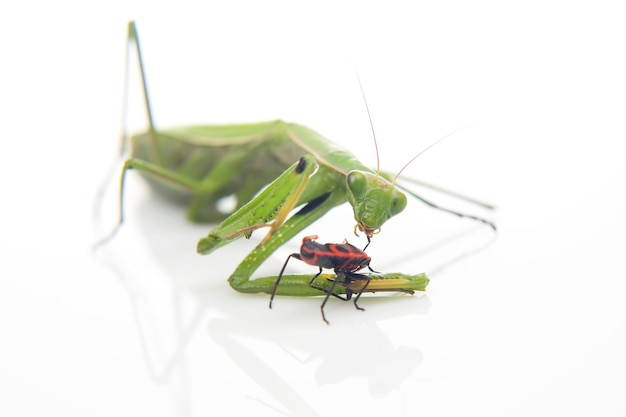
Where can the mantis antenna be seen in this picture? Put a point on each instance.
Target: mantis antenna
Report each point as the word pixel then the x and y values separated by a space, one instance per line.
pixel 395 178
pixel 422 151
pixel 369 116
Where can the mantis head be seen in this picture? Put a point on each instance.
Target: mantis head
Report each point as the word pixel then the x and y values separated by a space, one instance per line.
pixel 374 199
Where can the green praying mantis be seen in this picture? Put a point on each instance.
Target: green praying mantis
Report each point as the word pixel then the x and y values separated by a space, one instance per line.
pixel 283 177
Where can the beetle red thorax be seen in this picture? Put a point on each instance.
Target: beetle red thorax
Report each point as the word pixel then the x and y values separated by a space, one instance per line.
pixel 342 257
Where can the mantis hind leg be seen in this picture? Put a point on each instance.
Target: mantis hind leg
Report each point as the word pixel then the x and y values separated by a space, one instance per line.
pixel 204 193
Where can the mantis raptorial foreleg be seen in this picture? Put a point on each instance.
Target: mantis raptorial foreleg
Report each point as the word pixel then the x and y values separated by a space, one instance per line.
pixel 240 279
pixel 299 285
pixel 273 205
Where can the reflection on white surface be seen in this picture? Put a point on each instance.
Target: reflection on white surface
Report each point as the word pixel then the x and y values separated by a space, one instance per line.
pixel 175 305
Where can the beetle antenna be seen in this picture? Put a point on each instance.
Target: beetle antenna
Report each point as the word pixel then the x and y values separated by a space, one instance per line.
pixel 369 116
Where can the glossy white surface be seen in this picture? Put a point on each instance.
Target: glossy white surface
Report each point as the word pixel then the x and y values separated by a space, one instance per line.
pixel 531 322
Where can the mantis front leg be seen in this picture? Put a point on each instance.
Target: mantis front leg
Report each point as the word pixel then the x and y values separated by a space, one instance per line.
pixel 302 183
pixel 291 285
pixel 300 284
pixel 271 207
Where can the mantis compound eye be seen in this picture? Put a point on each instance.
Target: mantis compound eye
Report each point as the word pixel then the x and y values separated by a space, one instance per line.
pixel 357 183
pixel 398 203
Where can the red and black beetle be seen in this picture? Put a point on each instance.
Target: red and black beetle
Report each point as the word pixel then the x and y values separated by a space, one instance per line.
pixel 343 258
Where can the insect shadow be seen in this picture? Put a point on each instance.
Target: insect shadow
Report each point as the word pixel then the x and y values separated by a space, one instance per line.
pixel 194 288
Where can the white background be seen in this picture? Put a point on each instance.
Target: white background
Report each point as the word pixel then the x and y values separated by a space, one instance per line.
pixel 530 321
